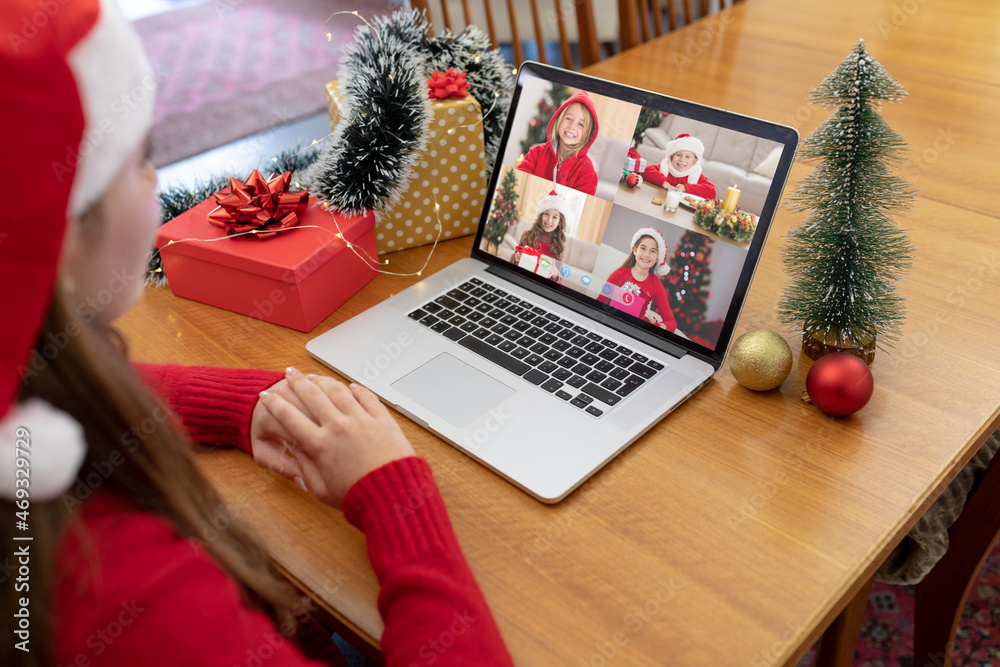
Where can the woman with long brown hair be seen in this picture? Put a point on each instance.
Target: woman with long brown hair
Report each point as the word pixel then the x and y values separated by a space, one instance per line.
pixel 113 555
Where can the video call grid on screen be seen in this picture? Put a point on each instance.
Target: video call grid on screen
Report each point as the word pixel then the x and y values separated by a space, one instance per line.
pixel 603 214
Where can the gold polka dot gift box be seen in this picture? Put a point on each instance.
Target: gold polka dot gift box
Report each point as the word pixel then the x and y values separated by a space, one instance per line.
pixel 452 171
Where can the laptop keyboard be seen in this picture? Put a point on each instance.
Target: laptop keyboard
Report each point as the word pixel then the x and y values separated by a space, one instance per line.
pixel 575 364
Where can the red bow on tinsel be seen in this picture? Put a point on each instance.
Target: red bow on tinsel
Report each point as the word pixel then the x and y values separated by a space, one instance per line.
pixel 447 84
pixel 264 206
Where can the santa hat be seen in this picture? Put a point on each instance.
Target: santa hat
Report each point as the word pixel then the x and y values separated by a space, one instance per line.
pixel 78 99
pixel 684 142
pixel 553 200
pixel 661 245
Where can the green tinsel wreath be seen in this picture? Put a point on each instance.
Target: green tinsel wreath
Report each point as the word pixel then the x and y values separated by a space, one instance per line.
pixel 369 162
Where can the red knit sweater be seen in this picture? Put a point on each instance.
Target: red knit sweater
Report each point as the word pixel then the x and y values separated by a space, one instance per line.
pixel 130 592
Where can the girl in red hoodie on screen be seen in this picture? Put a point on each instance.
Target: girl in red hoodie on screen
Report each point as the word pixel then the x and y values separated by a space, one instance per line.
pixel 563 158
pixel 681 169
pixel 638 275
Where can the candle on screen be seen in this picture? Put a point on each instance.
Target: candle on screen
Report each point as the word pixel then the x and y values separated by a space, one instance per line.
pixel 732 198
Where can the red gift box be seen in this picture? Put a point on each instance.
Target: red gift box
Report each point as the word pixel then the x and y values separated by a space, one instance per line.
pixel 295 278
pixel 527 254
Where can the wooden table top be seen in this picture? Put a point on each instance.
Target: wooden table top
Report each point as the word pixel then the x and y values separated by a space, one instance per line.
pixel 736 529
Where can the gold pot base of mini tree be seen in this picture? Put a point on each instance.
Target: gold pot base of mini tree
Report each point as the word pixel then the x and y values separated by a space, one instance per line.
pixel 816 344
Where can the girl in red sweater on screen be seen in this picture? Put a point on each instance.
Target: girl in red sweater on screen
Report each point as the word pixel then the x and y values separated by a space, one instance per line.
pixel 563 158
pixel 134 557
pixel 681 169
pixel 548 234
pixel 638 275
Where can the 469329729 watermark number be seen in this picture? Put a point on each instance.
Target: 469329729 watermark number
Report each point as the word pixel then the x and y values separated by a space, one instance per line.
pixel 22 538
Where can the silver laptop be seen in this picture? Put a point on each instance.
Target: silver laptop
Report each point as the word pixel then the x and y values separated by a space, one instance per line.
pixel 594 303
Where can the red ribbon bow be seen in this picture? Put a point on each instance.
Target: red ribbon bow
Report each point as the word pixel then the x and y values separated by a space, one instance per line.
pixel 264 206
pixel 633 154
pixel 447 84
pixel 531 252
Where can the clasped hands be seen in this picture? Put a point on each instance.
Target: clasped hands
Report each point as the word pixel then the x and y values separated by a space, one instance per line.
pixel 324 434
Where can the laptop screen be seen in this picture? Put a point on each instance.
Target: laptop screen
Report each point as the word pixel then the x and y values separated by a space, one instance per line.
pixel 647 210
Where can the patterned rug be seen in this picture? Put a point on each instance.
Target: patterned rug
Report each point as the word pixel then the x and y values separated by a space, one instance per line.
pixel 227 69
pixel 887 633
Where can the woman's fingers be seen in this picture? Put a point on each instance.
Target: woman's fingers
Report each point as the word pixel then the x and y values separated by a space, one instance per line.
pixel 315 400
pixel 296 423
pixel 284 389
pixel 339 394
pixel 337 434
pixel 311 479
pixel 367 400
pixel 277 430
pixel 280 462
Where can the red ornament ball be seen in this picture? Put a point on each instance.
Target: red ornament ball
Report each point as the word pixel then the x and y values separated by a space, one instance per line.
pixel 839 384
pixel 632 179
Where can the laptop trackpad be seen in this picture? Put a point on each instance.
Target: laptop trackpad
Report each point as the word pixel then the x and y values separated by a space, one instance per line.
pixel 453 390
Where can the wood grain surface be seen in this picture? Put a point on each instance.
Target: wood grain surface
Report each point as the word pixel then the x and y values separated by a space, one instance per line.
pixel 735 530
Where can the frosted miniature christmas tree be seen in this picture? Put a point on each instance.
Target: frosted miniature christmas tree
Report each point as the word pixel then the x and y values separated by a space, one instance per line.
pixel 846 258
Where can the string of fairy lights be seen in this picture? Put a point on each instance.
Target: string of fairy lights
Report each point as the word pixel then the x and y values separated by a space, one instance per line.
pixel 356 249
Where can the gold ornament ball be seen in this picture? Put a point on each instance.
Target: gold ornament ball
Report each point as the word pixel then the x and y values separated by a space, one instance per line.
pixel 760 360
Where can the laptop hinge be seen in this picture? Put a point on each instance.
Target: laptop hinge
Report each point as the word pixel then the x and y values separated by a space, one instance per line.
pixel 591 313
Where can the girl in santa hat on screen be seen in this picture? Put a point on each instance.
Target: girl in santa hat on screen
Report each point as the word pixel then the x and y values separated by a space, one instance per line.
pixel 639 275
pixel 548 233
pixel 563 157
pixel 681 169
pixel 95 467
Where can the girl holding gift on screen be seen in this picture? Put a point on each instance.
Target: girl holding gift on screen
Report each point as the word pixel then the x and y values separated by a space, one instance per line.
pixel 681 169
pixel 547 235
pixel 563 158
pixel 638 276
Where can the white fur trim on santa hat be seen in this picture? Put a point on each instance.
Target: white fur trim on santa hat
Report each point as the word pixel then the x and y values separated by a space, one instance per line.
pixel 117 87
pixel 52 444
pixel 661 245
pixel 553 200
pixel 684 142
